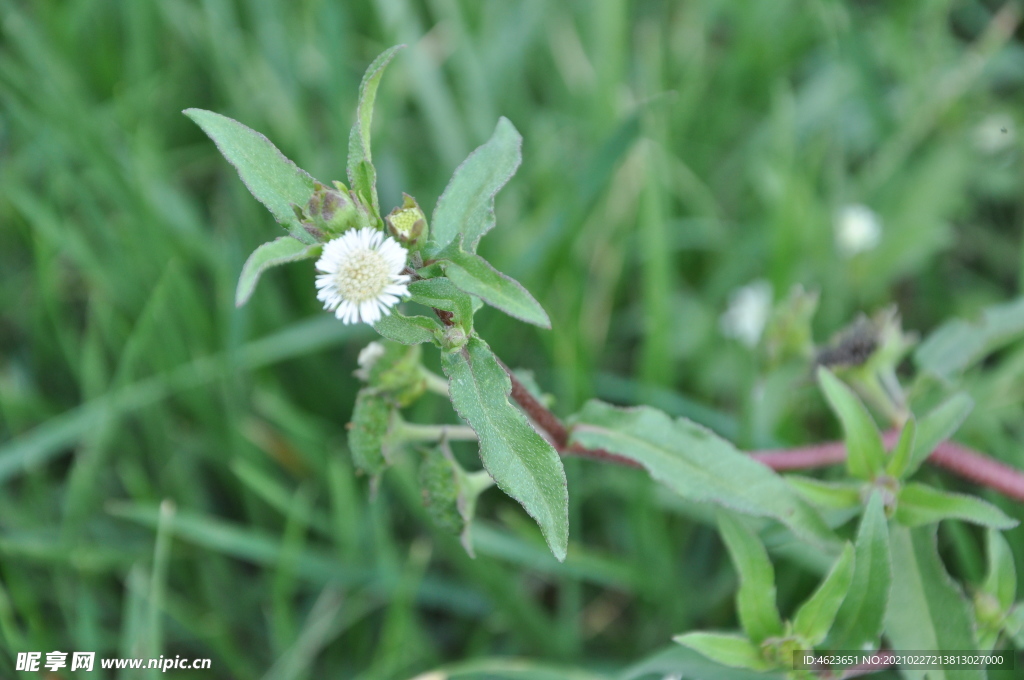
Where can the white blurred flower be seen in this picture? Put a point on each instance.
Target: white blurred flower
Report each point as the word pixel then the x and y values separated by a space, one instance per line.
pixel 361 279
pixel 857 228
pixel 994 133
pixel 749 308
pixel 368 357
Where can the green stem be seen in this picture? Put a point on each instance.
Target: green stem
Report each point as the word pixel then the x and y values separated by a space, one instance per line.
pixel 478 482
pixel 411 432
pixel 435 383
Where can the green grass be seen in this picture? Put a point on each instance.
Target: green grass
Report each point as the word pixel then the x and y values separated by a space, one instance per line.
pixel 674 151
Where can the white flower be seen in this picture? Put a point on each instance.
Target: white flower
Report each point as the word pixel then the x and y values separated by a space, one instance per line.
pixel 368 357
pixel 857 229
pixel 748 312
pixel 361 279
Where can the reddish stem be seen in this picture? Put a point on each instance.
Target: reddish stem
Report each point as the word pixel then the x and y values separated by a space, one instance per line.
pixel 954 457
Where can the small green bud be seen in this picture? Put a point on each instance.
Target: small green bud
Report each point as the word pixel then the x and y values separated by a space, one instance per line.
pixel 440 487
pixel 408 224
pixel 393 368
pixel 371 421
pixel 454 339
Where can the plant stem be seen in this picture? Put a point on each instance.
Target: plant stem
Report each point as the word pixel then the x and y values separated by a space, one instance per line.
pixel 435 383
pixel 954 457
pixel 412 432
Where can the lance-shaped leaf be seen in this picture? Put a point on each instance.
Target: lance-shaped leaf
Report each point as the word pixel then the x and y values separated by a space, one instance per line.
pixel 834 495
pixel 271 254
pixel 865 454
pixel 858 624
pixel 936 427
pixel 466 208
pixel 959 343
pixel 522 463
pixel 697 464
pixel 901 454
pixel 816 615
pixel 730 650
pixel 408 330
pixel 440 293
pixel 474 275
pixel 920 504
pixel 755 601
pixel 274 180
pixel 927 609
pixel 361 174
pixel 1001 580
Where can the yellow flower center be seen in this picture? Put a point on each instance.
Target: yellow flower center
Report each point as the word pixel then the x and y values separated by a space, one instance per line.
pixel 363 276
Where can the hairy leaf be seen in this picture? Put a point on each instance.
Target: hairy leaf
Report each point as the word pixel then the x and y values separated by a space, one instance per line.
pixel 523 464
pixel 275 181
pixel 958 344
pixel 755 601
pixel 936 427
pixel 476 276
pixel 408 330
pixel 271 254
pixel 927 609
pixel 901 454
pixel 361 173
pixel 1001 580
pixel 858 624
pixel 920 504
pixel 865 452
pixel 815 617
pixel 731 650
pixel 466 208
pixel 440 293
pixel 697 464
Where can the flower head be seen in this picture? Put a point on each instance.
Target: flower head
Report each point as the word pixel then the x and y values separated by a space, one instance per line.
pixel 748 312
pixel 368 358
pixel 361 279
pixel 858 229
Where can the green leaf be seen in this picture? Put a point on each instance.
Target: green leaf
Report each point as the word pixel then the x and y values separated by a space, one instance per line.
pixel 1001 580
pixel 835 495
pixel 1014 625
pixel 958 344
pixel 730 650
pixel 476 276
pixel 466 208
pixel 816 615
pixel 697 464
pixel 865 456
pixel 920 504
pixel 274 180
pixel 926 609
pixel 936 427
pixel 408 330
pixel 858 624
pixel 361 174
pixel 755 601
pixel 279 251
pixel 442 294
pixel 371 420
pixel 901 454
pixel 523 464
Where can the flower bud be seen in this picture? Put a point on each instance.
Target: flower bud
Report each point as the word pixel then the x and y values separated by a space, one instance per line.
pixel 407 224
pixel 334 210
pixel 454 339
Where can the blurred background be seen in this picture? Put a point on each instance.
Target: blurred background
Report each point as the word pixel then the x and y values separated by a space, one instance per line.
pixel 174 472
